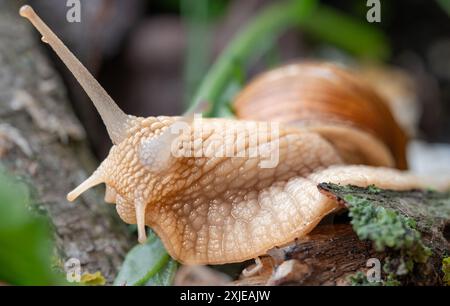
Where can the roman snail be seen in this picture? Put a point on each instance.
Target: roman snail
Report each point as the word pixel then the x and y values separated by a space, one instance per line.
pixel 211 208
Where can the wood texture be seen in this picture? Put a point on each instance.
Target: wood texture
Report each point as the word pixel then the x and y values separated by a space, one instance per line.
pixel 42 141
pixel 333 252
pixel 326 256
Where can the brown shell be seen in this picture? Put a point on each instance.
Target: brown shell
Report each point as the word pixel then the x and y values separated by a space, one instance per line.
pixel 322 94
pixel 217 209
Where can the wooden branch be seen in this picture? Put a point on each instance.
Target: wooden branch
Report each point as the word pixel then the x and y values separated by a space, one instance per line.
pixel 407 231
pixel 327 256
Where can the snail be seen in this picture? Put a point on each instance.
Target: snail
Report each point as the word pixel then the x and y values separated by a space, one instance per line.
pixel 332 102
pixel 321 123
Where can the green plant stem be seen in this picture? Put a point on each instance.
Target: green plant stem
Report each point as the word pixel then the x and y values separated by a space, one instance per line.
pixel 198 49
pixel 323 22
pixel 359 38
pixel 265 26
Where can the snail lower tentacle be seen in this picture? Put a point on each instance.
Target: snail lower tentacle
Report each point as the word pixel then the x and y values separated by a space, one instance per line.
pixel 297 126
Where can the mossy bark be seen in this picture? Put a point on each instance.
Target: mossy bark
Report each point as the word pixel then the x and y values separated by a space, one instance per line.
pixel 406 231
pixel 409 227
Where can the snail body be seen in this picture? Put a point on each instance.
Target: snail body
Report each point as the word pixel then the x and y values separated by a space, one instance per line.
pixel 206 209
pixel 216 208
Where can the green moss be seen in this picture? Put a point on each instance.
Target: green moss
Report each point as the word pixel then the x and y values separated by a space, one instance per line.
pixel 373 189
pixel 446 270
pixel 408 226
pixel 360 279
pixel 391 280
pixel 430 210
pixel 387 229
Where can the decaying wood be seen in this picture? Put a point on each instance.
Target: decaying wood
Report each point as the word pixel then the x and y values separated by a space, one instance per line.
pixel 332 253
pixel 326 256
pixel 429 209
pixel 41 140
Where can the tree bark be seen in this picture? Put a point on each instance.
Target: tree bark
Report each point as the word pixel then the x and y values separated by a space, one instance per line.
pixel 43 142
pixel 333 253
pixel 327 256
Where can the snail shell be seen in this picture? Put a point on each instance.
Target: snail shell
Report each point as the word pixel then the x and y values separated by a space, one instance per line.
pixel 333 102
pixel 220 209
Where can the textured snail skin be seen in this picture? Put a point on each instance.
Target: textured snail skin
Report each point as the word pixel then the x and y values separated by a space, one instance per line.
pixel 214 210
pixel 219 209
pixel 333 102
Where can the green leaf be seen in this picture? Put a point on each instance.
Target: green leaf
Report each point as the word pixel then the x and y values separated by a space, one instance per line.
pixel 147 263
pixel 165 276
pixel 26 246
